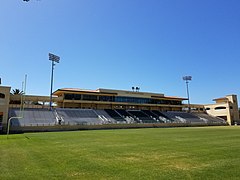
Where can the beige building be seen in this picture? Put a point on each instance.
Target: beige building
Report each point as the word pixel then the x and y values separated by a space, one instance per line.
pixel 116 99
pixel 225 108
pixel 4 104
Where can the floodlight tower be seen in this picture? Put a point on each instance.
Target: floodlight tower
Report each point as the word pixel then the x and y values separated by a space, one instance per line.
pixel 56 59
pixel 187 79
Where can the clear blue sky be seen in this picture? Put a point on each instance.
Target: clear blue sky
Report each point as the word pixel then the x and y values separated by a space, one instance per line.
pixel 123 43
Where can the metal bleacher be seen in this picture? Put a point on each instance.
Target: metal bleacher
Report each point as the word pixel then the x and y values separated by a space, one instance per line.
pixel 162 117
pixel 69 116
pixel 32 117
pixel 154 116
pixel 115 115
pixel 78 116
pixel 141 116
pixel 128 117
pixel 209 118
pixel 105 117
pixel 183 117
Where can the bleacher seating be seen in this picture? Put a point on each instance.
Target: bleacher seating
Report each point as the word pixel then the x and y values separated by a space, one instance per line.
pixel 162 117
pixel 128 117
pixel 78 116
pixel 209 118
pixel 183 117
pixel 115 115
pixel 104 116
pixel 123 112
pixel 152 115
pixel 65 116
pixel 141 116
pixel 32 117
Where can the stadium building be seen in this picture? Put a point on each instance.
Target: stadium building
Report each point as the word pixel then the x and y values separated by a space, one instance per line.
pixel 72 107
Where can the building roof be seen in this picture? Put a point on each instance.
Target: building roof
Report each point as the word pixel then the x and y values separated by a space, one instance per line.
pixel 77 89
pixel 222 99
pixel 118 93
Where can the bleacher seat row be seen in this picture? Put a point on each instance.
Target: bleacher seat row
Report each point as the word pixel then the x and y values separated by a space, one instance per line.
pixel 44 117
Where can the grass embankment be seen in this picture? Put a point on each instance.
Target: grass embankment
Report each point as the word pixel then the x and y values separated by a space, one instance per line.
pixel 171 153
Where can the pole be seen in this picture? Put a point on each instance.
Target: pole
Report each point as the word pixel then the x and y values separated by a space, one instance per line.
pixel 56 59
pixel 9 122
pixel 50 104
pixel 21 105
pixel 24 93
pixel 187 79
pixel 189 109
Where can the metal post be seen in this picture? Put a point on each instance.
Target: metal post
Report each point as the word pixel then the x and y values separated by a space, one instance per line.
pixel 9 122
pixel 187 79
pixel 189 108
pixel 50 104
pixel 56 59
pixel 21 104
pixel 24 94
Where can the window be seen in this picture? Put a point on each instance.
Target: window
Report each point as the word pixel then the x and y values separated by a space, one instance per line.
pixel 144 100
pixel 2 95
pixel 220 108
pixel 72 96
pixel 208 108
pixel 68 96
pixel 106 98
pixel 132 100
pixel 77 96
pixel 90 97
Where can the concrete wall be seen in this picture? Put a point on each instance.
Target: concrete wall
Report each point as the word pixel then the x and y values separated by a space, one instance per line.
pixel 106 126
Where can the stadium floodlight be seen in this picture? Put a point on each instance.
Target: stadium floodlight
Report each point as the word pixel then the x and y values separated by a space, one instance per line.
pixel 137 89
pixel 187 79
pixel 56 59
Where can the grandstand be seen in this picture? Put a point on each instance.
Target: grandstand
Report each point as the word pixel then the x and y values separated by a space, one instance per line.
pixel 61 116
pixel 75 107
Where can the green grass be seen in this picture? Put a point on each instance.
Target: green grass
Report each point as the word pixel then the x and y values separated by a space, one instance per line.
pixel 163 153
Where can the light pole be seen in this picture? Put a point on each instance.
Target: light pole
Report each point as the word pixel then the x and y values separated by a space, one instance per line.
pixel 187 79
pixel 56 59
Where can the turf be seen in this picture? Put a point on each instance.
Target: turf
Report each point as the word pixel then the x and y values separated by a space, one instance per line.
pixel 163 153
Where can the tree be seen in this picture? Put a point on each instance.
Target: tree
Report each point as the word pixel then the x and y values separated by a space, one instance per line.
pixel 16 92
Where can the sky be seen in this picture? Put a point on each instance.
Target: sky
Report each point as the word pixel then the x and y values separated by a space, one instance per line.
pixel 117 44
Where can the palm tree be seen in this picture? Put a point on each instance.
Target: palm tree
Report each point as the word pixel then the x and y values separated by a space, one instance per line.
pixel 16 92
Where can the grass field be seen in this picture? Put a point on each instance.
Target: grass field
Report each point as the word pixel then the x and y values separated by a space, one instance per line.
pixel 163 153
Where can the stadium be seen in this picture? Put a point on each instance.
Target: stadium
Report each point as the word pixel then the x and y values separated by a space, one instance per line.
pixel 75 109
pixel 91 123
